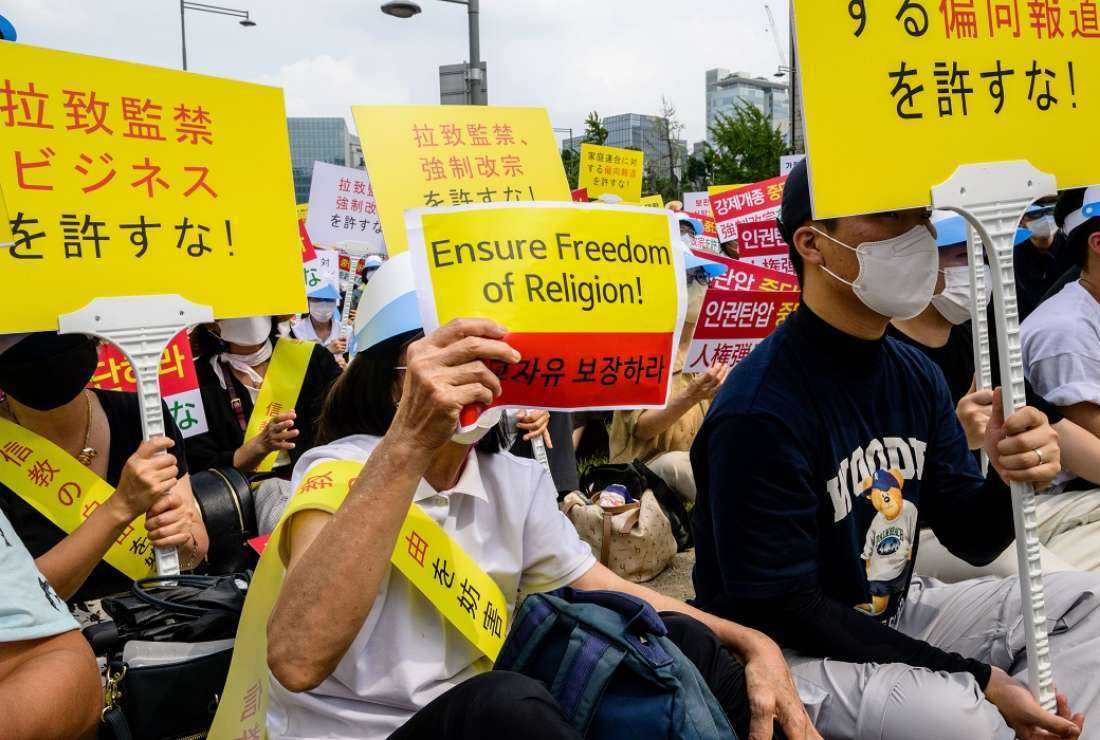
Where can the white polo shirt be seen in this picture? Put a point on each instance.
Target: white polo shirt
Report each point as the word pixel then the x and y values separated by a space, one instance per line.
pixel 503 512
pixel 302 328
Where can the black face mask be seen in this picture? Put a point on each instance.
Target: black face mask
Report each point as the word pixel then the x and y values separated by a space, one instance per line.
pixel 48 370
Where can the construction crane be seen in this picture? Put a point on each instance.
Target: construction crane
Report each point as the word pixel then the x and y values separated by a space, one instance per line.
pixel 775 36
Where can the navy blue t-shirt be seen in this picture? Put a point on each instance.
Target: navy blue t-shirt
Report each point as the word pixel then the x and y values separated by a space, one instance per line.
pixel 820 459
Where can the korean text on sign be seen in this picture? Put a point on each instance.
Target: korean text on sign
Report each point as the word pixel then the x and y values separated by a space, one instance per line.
pixel 608 170
pixel 123 179
pixel 939 83
pixel 432 156
pixel 760 243
pixel 593 295
pixel 179 383
pixel 741 275
pixel 756 202
pixel 342 208
pixel 731 324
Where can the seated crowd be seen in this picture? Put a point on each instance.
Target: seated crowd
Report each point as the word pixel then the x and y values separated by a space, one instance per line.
pixel 855 574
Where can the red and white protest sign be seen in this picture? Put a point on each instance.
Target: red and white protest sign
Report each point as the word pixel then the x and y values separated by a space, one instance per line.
pixel 698 202
pixel 708 240
pixel 741 275
pixel 757 202
pixel 732 323
pixel 309 252
pixel 760 243
pixel 179 383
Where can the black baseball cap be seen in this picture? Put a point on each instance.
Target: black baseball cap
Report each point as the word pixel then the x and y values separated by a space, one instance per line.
pixel 795 209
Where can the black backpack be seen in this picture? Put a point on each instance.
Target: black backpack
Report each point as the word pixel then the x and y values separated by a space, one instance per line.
pixel 637 479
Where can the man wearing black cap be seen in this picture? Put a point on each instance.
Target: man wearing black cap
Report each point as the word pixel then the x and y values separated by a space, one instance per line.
pixel 820 459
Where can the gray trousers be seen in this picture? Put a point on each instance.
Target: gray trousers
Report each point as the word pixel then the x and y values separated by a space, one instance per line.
pixel 979 619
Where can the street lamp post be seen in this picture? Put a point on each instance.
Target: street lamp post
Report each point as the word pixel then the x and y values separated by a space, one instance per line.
pixel 405 9
pixel 186 5
pixel 785 71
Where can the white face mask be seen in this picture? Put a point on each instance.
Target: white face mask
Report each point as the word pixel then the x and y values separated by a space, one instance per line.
pixel 247 332
pixel 897 277
pixel 1043 228
pixel 954 302
pixel 483 426
pixel 322 311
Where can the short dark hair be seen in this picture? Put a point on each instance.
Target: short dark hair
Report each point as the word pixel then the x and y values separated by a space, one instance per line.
pixel 1076 240
pixel 361 399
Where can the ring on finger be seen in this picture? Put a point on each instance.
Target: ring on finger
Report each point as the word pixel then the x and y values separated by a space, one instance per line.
pixel 1042 458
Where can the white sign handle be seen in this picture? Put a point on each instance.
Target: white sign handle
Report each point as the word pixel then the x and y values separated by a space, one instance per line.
pixel 983 375
pixel 141 327
pixel 992 198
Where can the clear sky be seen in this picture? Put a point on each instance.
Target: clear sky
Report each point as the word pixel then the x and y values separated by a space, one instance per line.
pixel 569 56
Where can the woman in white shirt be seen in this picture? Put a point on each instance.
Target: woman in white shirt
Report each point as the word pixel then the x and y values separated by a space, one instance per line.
pixel 356 651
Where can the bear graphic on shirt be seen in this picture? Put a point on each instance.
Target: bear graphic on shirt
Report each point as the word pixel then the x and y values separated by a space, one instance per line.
pixel 888 548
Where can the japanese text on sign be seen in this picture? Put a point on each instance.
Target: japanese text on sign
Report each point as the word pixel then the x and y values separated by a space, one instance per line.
pixel 608 170
pixel 342 208
pixel 593 295
pixel 121 179
pixel 939 83
pixel 432 156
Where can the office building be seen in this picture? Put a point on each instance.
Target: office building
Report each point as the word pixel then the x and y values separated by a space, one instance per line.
pixel 320 140
pixel 726 89
pixel 637 131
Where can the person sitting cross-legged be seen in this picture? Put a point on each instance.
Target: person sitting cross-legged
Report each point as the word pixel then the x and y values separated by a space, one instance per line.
pixel 357 651
pixel 822 456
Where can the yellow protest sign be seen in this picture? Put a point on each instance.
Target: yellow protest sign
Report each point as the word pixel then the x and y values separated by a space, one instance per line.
pixel 592 295
pixel 713 190
pixel 608 170
pixel 653 201
pixel 123 179
pixel 429 156
pixel 933 85
pixel 302 209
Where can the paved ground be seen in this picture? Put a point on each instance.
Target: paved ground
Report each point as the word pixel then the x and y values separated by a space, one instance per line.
pixel 675 581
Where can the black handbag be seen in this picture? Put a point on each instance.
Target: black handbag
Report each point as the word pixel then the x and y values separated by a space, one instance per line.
pixel 178 698
pixel 228 509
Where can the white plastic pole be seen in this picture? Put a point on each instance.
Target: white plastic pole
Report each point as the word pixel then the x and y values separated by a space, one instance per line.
pixel 993 197
pixel 983 373
pixel 141 327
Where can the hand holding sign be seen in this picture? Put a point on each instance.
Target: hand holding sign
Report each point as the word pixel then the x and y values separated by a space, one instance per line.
pixel 594 295
pixel 446 372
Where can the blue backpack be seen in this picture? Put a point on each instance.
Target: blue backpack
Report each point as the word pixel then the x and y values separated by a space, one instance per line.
pixel 607 660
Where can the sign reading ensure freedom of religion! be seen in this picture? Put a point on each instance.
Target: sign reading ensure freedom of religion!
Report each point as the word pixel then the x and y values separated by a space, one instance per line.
pixel 122 179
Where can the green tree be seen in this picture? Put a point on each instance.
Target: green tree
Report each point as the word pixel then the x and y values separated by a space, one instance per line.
pixel 747 147
pixel 594 131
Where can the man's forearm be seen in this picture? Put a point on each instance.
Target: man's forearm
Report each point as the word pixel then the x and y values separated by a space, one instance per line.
pixel 330 588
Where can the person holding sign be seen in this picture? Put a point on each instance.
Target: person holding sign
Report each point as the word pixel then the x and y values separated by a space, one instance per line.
pixel 358 648
pixel 86 495
pixel 321 325
pixel 262 395
pixel 944 333
pixel 824 453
